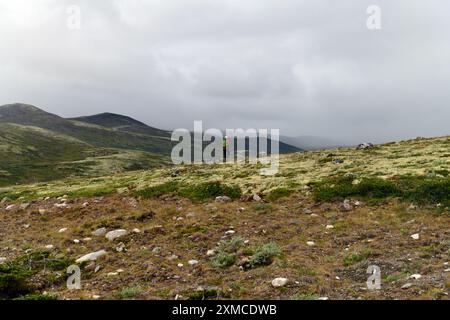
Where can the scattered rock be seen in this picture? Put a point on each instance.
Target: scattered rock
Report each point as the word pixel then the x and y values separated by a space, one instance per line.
pixel 415 236
pixel 136 230
pixel 99 232
pixel 230 232
pixel 112 274
pixel 49 247
pixel 279 282
pixel 156 250
pixel 2 260
pixel 24 206
pixel 10 207
pixel 120 247
pixel 76 241
pixel 311 243
pixel 346 206
pixel 328 227
pixel 364 146
pixel 62 230
pixel 407 285
pixel 307 211
pixel 172 257
pixel 91 256
pixel 256 198
pixel 116 234
pixel 180 265
pixel 96 297
pixel 192 262
pixel 323 298
pixel 42 211
pixel 223 199
pixel 60 205
pixel 210 253
pixel 85 204
pixel 415 276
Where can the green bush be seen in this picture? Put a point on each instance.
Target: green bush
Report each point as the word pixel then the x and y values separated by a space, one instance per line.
pixel 202 191
pixel 15 275
pixel 159 190
pixel 210 190
pixel 353 258
pixel 264 255
pixel 14 280
pixel 278 194
pixel 423 190
pixel 223 260
pixel 232 245
pixel 226 256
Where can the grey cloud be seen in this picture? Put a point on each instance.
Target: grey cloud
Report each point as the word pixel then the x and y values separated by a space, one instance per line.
pixel 306 67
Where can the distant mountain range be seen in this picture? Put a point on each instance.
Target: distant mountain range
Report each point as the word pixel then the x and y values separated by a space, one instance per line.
pixel 38 146
pixel 312 142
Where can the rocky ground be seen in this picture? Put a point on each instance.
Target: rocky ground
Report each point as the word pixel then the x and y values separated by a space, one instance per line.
pixel 169 246
pixel 258 247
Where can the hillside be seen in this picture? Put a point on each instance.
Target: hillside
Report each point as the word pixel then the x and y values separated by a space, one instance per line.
pixel 95 135
pixel 319 223
pixel 39 146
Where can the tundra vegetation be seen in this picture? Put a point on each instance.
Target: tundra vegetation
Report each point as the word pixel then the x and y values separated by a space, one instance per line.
pixel 319 223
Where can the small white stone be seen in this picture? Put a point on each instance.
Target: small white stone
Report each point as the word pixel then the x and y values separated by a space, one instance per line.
pixel 329 227
pixel 91 256
pixel 415 236
pixel 112 274
pixel 87 239
pixel 415 276
pixel 10 207
pixel 210 253
pixel 42 211
pixel 136 230
pixel 229 232
pixel 279 282
pixel 49 246
pixel 407 285
pixel 323 298
pixel 180 265
pixel 311 243
pixel 120 270
pixel 2 260
pixel 76 241
pixel 116 234
pixel 447 270
pixel 96 297
pixel 193 262
pixel 62 230
pixel 99 232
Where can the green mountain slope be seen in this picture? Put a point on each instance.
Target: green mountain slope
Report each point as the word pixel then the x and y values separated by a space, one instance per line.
pixel 95 135
pixel 32 154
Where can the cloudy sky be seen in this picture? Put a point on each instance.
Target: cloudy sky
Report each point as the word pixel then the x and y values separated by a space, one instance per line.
pixel 307 67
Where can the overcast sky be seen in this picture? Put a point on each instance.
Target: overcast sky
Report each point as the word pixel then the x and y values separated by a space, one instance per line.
pixel 305 67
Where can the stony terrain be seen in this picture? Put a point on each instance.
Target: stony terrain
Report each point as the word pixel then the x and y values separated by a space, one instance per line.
pixel 206 232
